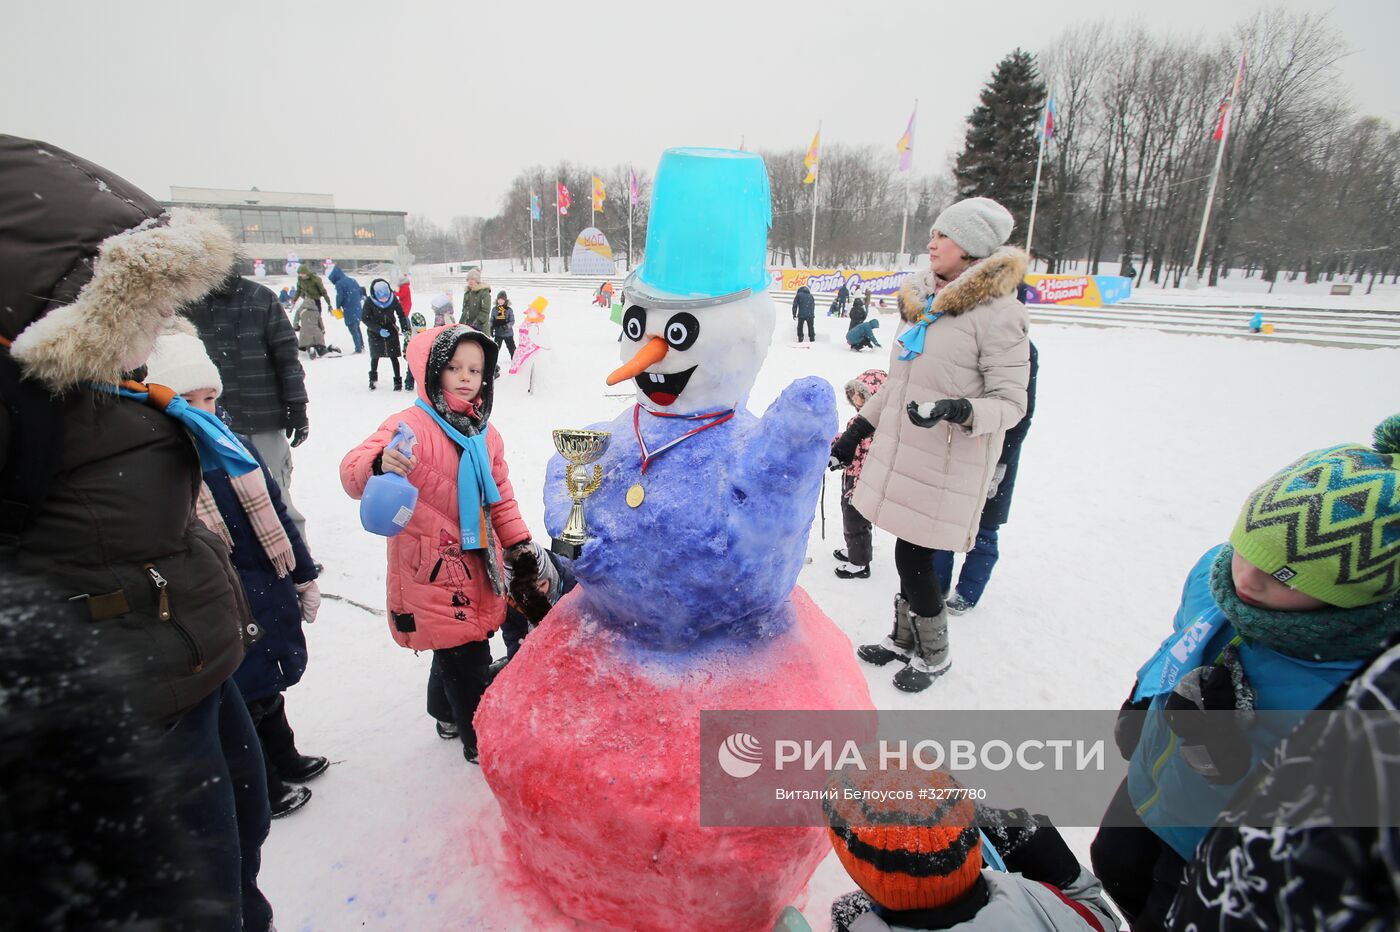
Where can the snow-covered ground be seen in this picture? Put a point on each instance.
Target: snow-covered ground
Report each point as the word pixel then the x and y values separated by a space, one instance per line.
pixel 1142 449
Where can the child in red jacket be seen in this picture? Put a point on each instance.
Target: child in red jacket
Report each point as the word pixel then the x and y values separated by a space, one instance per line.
pixel 450 567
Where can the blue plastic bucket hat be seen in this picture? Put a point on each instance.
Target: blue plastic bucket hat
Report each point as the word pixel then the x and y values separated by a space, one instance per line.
pixel 707 233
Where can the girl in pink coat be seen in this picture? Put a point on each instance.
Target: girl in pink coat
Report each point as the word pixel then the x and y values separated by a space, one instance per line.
pixel 466 543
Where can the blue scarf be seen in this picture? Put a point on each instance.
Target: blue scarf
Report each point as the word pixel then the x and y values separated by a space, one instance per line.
pixel 475 484
pixel 913 339
pixel 218 447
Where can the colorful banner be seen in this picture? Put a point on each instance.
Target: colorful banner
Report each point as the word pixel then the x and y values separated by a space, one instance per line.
pixel 831 280
pixel 592 255
pixel 1078 290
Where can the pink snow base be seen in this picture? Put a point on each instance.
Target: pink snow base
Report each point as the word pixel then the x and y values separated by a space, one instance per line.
pixel 592 750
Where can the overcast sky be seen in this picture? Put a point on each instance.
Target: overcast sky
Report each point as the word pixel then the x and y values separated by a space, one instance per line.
pixel 433 107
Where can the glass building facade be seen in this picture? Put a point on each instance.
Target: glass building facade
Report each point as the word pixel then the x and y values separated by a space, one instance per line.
pixel 309 226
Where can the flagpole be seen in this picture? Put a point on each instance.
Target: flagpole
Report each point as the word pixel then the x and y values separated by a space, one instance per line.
pixel 816 180
pixel 558 231
pixel 904 226
pixel 1035 191
pixel 1195 277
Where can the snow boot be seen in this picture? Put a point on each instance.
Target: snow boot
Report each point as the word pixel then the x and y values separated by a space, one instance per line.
pixel 447 730
pixel 301 769
pixel 291 799
pixel 930 659
pixel 331 349
pixel 373 377
pixel 469 752
pixel 398 384
pixel 851 571
pixel 841 555
pixel 898 646
pixel 957 605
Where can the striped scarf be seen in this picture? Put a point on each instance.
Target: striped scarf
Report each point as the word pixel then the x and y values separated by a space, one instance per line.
pixel 253 496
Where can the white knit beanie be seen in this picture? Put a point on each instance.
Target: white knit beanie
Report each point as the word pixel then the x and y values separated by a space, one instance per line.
pixel 979 225
pixel 180 362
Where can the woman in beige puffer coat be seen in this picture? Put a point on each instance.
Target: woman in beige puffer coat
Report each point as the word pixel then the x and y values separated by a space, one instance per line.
pixel 957 382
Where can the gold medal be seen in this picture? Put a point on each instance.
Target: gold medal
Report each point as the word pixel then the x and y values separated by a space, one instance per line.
pixel 636 495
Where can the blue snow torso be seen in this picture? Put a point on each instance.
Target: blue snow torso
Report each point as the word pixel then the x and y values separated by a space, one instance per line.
pixel 1173 800
pixel 716 546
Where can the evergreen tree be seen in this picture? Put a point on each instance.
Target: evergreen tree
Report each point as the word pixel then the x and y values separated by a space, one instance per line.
pixel 998 157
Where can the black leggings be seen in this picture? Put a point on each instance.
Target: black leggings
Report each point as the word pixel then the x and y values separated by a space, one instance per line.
pixel 917 580
pixel 374 366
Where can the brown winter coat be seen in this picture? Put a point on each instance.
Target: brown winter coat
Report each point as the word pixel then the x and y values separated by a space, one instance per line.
pixel 119 505
pixel 93 267
pixel 928 485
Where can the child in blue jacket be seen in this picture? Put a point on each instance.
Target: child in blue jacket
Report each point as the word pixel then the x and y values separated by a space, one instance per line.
pixel 275 567
pixel 1269 625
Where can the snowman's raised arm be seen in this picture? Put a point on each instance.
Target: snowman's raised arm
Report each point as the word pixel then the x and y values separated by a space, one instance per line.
pixel 782 465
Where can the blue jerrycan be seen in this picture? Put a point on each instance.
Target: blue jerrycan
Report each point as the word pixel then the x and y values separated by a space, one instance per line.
pixel 389 499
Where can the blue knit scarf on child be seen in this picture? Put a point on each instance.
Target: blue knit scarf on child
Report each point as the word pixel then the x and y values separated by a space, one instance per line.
pixel 476 487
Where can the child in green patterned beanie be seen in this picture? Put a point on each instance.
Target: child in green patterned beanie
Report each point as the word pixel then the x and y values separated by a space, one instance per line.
pixel 1306 591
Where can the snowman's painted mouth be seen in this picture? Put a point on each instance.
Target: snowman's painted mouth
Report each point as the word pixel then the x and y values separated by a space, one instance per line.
pixel 663 388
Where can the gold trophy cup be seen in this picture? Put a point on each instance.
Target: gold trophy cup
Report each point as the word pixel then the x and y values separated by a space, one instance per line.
pixel 579 447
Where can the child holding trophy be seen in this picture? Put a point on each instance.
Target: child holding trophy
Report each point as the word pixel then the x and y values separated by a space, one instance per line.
pixel 465 542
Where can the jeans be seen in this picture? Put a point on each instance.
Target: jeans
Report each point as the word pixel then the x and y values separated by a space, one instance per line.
pixel 976 568
pixel 811 332
pixel 456 683
pixel 225 807
pixel 352 323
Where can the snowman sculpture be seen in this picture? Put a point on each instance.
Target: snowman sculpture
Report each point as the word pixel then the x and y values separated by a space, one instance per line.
pixel 590 738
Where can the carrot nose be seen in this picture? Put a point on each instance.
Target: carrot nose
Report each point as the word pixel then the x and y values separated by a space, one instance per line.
pixel 649 355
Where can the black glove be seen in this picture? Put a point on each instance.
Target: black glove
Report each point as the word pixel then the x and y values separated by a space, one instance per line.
pixel 524 562
pixel 843 448
pixel 1127 727
pixel 957 410
pixel 1030 845
pixel 1207 710
pixel 296 424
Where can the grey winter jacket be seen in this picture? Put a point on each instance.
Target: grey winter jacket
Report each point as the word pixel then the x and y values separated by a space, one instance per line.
pixel 251 342
pixel 1022 905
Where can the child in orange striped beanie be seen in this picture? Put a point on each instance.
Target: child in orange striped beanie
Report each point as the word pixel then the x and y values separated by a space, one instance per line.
pixel 918 861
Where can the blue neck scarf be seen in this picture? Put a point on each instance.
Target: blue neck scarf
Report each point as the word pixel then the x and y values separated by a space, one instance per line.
pixel 913 339
pixel 475 484
pixel 218 447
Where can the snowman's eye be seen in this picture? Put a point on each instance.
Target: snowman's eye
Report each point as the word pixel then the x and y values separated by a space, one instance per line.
pixel 634 323
pixel 682 331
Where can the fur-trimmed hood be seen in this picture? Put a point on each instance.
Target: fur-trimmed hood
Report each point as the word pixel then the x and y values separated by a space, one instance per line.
pixel 94 267
pixel 997 275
